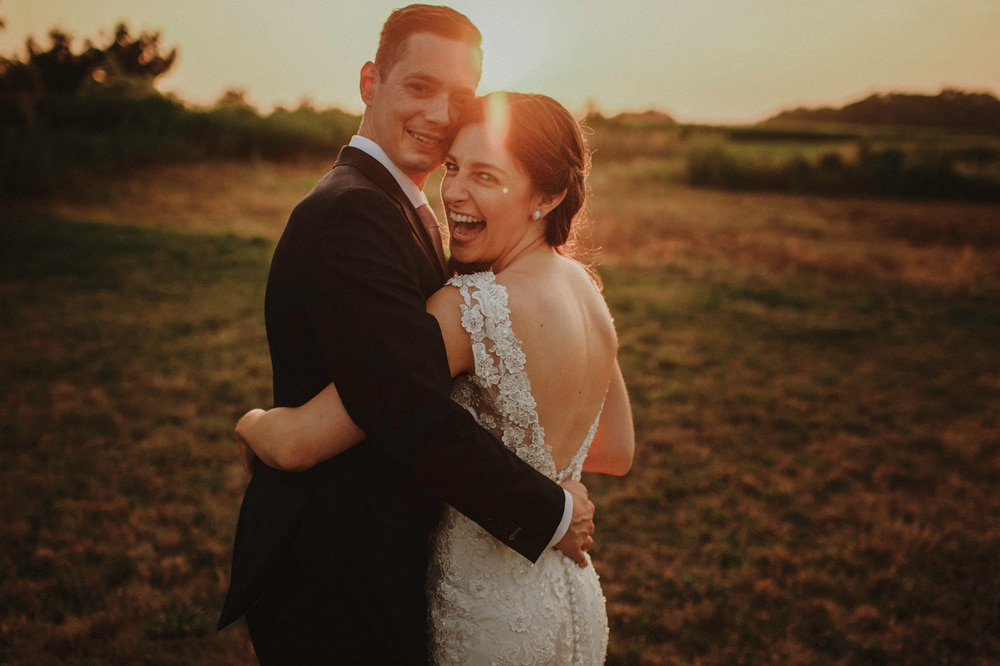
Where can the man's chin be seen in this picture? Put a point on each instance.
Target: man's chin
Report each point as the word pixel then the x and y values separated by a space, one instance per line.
pixel 419 167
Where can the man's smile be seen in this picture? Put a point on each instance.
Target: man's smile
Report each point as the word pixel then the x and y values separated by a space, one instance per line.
pixel 423 138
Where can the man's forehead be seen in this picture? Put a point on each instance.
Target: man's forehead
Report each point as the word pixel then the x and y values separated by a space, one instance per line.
pixel 441 57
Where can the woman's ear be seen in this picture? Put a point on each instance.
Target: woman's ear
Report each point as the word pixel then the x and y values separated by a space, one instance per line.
pixel 545 205
pixel 369 74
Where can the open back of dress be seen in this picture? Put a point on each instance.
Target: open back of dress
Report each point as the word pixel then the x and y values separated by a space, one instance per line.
pixel 487 603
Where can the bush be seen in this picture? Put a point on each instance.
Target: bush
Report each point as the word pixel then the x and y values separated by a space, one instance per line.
pixel 241 133
pixel 712 161
pixel 45 140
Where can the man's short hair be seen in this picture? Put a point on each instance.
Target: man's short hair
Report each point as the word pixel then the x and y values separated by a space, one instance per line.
pixel 415 19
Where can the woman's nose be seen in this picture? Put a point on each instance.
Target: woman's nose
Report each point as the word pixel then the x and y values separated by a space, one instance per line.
pixel 452 189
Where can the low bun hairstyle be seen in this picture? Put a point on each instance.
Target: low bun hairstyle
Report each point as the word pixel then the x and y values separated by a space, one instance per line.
pixel 548 144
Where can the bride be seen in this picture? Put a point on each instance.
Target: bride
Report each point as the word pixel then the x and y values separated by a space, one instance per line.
pixel 533 349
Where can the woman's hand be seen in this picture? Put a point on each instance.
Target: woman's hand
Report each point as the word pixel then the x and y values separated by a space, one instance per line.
pixel 247 456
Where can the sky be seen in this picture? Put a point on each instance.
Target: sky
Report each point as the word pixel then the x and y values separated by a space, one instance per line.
pixel 711 61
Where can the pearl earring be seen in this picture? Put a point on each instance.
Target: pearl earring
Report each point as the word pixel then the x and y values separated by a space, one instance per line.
pixel 537 214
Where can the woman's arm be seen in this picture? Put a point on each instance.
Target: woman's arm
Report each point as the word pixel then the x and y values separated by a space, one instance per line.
pixel 613 447
pixel 446 306
pixel 297 438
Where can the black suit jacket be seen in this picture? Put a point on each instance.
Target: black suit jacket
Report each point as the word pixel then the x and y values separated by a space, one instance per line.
pixel 333 560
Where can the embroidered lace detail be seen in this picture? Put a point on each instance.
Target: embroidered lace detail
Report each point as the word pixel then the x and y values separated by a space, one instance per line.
pixel 488 605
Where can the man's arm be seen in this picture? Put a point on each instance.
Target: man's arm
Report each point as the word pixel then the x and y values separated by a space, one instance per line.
pixel 387 359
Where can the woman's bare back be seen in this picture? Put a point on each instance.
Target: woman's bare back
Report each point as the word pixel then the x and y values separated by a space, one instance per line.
pixel 569 342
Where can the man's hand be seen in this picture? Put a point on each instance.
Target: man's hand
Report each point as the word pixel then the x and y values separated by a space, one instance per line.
pixel 247 456
pixel 578 540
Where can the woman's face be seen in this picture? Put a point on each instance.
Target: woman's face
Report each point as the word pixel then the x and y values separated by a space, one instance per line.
pixel 488 200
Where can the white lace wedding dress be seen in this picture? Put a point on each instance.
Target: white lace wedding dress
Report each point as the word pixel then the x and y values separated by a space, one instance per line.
pixel 488 605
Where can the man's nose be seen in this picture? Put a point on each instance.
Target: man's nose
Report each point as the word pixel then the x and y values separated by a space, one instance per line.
pixel 439 110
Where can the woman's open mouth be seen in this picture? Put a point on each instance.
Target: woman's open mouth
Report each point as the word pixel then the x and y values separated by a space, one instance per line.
pixel 465 228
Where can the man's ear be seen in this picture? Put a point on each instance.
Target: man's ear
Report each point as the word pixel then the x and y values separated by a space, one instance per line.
pixel 369 74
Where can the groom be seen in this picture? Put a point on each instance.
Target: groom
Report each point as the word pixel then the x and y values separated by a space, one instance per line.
pixel 329 564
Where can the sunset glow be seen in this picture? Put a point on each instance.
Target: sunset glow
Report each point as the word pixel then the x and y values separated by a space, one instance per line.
pixel 699 60
pixel 518 44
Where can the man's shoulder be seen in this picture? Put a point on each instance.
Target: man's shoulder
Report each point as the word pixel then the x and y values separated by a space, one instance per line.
pixel 342 188
pixel 350 202
pixel 356 172
pixel 343 178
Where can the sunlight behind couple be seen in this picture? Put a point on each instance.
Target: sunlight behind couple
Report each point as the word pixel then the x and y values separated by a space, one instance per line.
pixel 517 49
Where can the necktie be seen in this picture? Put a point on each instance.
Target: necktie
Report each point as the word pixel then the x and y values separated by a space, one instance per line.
pixel 427 216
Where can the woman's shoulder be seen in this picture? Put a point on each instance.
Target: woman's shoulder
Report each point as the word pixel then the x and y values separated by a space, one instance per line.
pixel 557 279
pixel 445 300
pixel 478 280
pixel 467 290
pixel 560 292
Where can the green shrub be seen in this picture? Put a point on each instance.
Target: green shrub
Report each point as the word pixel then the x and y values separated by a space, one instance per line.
pixel 713 161
pixel 45 140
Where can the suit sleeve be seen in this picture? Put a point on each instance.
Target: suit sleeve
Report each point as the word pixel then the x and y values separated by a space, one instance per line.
pixel 387 358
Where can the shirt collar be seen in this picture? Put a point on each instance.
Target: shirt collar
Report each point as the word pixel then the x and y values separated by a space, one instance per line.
pixel 410 189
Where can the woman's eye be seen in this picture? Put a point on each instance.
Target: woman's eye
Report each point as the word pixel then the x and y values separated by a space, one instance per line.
pixel 450 166
pixel 485 177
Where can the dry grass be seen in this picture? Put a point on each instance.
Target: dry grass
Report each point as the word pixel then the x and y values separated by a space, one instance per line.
pixel 245 199
pixel 816 394
pixel 645 220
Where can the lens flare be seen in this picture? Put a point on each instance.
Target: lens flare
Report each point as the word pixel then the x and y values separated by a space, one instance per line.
pixel 498 116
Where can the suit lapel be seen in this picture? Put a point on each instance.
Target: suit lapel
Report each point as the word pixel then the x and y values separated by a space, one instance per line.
pixel 380 176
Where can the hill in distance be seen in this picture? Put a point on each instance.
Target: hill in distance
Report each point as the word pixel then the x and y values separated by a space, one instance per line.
pixel 975 112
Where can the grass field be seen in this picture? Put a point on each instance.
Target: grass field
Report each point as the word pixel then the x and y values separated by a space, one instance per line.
pixel 816 386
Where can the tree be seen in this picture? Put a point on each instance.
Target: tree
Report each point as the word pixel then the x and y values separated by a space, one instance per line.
pixel 58 69
pixel 136 58
pixel 16 76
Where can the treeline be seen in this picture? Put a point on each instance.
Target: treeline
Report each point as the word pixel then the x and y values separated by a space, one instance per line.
pixel 951 109
pixel 896 158
pixel 65 112
pixel 862 166
pixel 944 146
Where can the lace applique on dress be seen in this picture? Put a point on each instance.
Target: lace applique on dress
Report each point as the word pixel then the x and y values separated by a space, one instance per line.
pixel 499 391
pixel 488 604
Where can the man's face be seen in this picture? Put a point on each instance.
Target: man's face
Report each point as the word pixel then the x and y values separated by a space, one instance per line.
pixel 413 107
